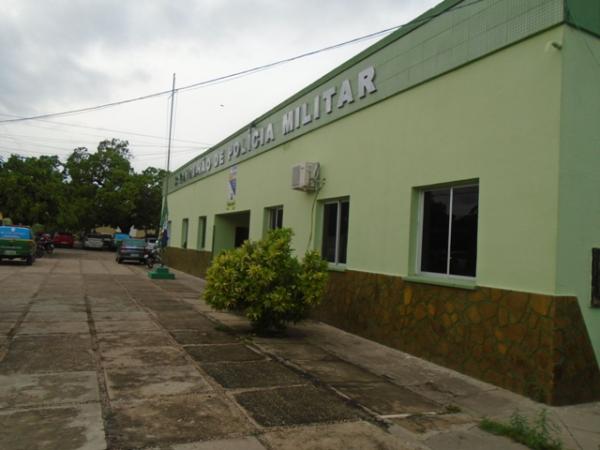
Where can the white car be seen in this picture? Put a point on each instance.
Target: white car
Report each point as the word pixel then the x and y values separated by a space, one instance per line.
pixel 93 241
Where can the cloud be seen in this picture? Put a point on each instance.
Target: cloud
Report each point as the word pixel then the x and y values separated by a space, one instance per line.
pixel 57 55
pixel 65 52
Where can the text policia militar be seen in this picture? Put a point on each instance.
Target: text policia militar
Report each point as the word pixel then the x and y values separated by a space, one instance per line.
pixel 324 103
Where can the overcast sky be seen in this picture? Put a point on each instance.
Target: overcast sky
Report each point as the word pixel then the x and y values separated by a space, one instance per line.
pixel 58 55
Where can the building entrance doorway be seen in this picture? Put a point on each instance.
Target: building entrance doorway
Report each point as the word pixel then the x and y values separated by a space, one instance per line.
pixel 241 235
pixel 231 230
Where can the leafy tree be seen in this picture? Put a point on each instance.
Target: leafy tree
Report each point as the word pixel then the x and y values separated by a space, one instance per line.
pixel 146 190
pixel 89 189
pixel 31 188
pixel 99 184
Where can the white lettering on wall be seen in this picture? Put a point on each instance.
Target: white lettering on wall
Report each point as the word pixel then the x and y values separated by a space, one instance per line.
pixel 345 94
pixel 269 134
pixel 255 138
pixel 328 96
pixel 293 119
pixel 288 122
pixel 366 82
pixel 317 107
pixel 306 117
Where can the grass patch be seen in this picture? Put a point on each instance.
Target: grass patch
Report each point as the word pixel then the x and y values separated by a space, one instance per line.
pixel 538 435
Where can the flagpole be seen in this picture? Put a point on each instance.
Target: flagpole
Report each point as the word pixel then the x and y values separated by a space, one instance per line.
pixel 163 272
pixel 170 128
pixel 165 205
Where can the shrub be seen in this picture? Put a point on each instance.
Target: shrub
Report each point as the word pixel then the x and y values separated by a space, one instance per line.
pixel 266 282
pixel 37 228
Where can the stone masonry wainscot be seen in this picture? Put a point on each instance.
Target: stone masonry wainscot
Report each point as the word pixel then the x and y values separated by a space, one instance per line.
pixel 532 344
pixel 194 262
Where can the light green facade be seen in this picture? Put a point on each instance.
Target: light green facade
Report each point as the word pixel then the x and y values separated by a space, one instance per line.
pixel 462 126
pixel 522 121
pixel 579 188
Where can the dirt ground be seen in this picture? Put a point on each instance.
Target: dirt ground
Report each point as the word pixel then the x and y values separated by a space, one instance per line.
pixel 95 355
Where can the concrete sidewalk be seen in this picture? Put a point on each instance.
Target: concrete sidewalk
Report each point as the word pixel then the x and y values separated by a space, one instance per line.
pixel 95 355
pixel 424 404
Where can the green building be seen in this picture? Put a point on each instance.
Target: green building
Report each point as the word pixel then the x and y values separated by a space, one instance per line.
pixel 383 165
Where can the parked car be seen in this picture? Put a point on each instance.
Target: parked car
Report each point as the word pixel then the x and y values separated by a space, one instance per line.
pixel 17 243
pixel 131 249
pixel 93 241
pixel 119 237
pixel 63 239
pixel 108 241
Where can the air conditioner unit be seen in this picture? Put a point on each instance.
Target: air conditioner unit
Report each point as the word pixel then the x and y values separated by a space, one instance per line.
pixel 305 176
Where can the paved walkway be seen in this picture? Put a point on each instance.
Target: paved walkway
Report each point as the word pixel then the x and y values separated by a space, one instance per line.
pixel 94 355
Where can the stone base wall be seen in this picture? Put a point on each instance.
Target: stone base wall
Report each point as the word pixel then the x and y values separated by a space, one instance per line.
pixel 535 345
pixel 194 262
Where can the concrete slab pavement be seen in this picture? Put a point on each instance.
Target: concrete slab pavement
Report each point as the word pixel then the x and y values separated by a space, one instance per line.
pixel 114 360
pixel 22 390
pixel 61 428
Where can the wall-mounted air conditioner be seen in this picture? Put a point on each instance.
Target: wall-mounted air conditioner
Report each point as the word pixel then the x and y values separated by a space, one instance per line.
pixel 305 176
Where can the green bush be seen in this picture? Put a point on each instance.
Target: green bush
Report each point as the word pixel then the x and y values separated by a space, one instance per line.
pixel 37 228
pixel 266 282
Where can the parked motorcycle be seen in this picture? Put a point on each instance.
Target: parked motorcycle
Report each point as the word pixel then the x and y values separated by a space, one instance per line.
pixel 152 257
pixel 39 249
pixel 49 247
pixel 44 245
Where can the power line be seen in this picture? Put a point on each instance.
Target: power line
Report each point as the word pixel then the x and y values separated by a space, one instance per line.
pixel 40 145
pixel 129 133
pixel 198 84
pixel 19 152
pixel 241 73
pixel 34 140
pixel 60 151
pixel 133 153
pixel 324 49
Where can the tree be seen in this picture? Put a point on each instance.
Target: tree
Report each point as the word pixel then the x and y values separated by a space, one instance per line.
pixel 89 189
pixel 147 194
pixel 31 189
pixel 100 184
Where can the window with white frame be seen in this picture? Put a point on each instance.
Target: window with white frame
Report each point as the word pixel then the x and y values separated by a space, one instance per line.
pixel 275 217
pixel 448 231
pixel 201 241
pixel 335 231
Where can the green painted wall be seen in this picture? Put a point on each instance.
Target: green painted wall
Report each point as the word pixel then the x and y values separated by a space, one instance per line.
pixel 496 120
pixel 579 207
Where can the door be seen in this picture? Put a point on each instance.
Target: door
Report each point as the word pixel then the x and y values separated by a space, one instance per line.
pixel 241 235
